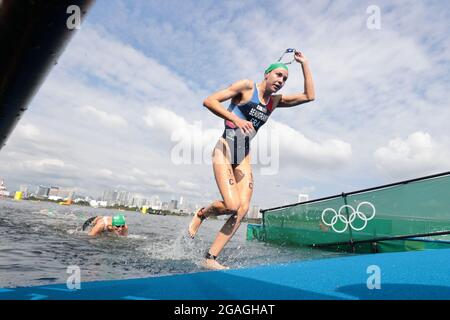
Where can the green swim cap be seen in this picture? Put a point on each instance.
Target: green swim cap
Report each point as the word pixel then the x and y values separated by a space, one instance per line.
pixel 118 220
pixel 275 66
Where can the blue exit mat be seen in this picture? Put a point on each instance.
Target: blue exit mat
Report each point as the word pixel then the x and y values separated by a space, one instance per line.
pixel 404 275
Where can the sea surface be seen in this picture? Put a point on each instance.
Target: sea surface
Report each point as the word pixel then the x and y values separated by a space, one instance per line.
pixel 40 240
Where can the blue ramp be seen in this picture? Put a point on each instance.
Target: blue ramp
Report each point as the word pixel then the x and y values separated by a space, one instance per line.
pixel 405 275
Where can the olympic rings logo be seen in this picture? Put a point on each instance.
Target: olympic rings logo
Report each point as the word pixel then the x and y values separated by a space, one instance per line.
pixel 352 217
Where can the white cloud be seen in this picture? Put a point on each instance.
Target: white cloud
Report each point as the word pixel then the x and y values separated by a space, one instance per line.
pixel 295 148
pixel 165 120
pixel 293 193
pixel 117 66
pixel 298 150
pixel 175 127
pixel 107 119
pixel 159 184
pixel 187 185
pixel 28 131
pixel 416 155
pixel 307 190
pixel 44 164
pixel 105 173
pixel 138 172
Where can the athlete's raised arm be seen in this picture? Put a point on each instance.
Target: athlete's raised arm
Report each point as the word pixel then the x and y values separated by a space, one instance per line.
pixel 308 94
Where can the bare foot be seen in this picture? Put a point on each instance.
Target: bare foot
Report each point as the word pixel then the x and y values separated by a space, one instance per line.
pixel 212 264
pixel 196 222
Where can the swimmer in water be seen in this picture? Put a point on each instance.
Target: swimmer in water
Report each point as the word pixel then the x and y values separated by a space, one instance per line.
pixel 100 224
pixel 251 105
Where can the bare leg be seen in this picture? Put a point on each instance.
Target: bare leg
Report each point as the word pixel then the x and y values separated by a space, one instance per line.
pixel 216 208
pixel 226 182
pixel 244 176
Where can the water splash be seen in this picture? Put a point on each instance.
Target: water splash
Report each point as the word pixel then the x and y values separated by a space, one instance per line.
pixel 137 237
pixel 181 248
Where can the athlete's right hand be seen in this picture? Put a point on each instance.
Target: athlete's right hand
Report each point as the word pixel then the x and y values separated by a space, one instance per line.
pixel 245 126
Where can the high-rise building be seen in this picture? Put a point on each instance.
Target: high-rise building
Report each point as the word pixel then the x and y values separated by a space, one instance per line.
pixel 302 197
pixel 106 196
pixel 254 213
pixel 115 193
pixel 139 202
pixel 42 191
pixel 110 196
pixel 3 190
pixel 66 193
pixel 2 185
pixel 155 203
pixel 24 190
pixel 123 197
pixel 53 192
pixel 130 201
pixel 173 205
pixel 56 193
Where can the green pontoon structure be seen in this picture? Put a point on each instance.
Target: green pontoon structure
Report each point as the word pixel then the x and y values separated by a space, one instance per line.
pixel 403 216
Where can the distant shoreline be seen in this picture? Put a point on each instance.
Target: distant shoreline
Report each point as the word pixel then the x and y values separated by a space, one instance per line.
pixel 128 209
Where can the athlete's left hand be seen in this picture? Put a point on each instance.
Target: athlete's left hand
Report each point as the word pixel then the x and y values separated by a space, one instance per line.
pixel 300 57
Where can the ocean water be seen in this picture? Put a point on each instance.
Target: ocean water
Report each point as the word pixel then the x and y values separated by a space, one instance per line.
pixel 40 240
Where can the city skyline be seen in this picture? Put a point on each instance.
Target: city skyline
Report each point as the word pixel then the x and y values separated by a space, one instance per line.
pixel 113 197
pixel 99 195
pixel 110 197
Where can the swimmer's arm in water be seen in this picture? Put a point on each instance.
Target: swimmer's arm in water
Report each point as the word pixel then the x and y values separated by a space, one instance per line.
pixel 213 103
pixel 308 94
pixel 97 229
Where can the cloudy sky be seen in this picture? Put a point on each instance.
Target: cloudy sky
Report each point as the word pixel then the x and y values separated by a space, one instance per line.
pixel 123 107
